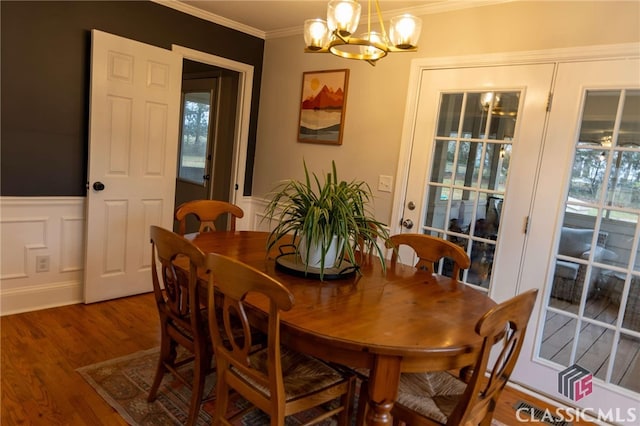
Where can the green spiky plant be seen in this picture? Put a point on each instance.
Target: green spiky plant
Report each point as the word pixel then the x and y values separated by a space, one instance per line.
pixel 317 211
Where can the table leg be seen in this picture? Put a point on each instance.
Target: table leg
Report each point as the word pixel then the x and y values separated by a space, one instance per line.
pixel 384 378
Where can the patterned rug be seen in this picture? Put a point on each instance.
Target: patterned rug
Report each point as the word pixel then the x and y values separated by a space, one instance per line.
pixel 124 383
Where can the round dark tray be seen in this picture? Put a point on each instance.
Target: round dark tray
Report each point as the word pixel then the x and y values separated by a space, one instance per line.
pixel 292 264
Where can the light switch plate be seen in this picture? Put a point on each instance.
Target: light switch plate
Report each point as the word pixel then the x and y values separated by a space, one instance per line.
pixel 42 263
pixel 385 183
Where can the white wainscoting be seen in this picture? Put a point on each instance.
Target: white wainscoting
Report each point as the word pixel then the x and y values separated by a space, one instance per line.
pixel 55 226
pixel 256 215
pixel 31 227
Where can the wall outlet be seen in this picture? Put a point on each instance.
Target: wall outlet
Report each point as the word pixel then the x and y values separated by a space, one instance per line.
pixel 42 263
pixel 385 183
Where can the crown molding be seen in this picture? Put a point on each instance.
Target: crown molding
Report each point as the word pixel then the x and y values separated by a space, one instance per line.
pixel 211 17
pixel 427 9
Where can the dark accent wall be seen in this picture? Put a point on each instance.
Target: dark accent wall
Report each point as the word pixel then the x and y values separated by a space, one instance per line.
pixel 45 70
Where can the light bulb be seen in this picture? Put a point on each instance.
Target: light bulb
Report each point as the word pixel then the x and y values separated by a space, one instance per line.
pixel 372 51
pixel 405 31
pixel 343 16
pixel 315 33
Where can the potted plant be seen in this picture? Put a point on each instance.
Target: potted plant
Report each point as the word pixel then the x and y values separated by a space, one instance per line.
pixel 329 217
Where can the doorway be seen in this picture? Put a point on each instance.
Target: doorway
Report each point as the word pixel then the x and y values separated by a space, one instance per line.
pixel 206 147
pixel 241 110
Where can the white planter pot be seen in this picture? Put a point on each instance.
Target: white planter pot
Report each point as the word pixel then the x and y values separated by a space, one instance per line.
pixel 315 253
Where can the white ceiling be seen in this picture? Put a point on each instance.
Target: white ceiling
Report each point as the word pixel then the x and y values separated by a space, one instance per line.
pixel 265 18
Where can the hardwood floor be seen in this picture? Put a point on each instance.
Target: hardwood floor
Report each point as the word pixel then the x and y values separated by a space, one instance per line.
pixel 41 350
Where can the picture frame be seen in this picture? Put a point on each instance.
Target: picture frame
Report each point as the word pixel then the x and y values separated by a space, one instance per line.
pixel 323 106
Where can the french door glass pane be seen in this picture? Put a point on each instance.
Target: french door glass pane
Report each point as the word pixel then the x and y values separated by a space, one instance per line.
pixel 599 114
pixel 471 156
pixel 628 346
pixel 594 339
pixel 450 114
pixel 630 125
pixel 586 177
pixel 556 347
pixel 596 279
pixel 195 136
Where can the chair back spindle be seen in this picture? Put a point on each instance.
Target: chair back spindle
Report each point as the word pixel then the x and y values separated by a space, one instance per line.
pixel 206 211
pixel 430 250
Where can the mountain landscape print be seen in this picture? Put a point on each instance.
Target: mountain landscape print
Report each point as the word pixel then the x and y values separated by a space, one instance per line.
pixel 322 106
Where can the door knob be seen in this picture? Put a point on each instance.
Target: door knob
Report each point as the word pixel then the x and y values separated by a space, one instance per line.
pixel 407 223
pixel 98 186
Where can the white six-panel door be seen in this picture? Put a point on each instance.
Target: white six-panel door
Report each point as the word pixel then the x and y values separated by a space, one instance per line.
pixel 134 115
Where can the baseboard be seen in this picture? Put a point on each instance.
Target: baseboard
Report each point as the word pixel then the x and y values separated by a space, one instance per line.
pixel 33 298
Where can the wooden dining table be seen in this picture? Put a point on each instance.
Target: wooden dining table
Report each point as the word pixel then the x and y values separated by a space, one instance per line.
pixel 400 320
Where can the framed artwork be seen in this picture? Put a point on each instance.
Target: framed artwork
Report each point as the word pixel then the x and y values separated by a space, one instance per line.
pixel 322 106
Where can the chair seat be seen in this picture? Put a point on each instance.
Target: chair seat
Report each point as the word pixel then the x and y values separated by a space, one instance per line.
pixel 302 374
pixel 433 395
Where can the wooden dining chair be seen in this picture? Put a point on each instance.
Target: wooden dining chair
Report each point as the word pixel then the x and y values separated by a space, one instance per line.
pixel 183 316
pixel 441 398
pixel 276 379
pixel 206 211
pixel 430 250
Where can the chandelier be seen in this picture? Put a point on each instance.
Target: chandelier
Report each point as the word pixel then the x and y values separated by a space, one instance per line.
pixel 335 35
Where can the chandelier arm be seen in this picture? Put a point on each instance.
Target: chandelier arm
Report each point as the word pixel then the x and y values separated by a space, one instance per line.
pixel 337 34
pixel 384 32
pixel 369 17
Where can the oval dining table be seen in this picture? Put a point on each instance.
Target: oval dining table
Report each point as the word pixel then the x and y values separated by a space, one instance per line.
pixel 401 320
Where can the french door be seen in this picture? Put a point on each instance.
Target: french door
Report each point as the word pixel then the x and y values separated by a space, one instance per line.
pixel 588 186
pixel 474 156
pixel 496 167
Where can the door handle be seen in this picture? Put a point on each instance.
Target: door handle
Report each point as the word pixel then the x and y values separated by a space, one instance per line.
pixel 98 186
pixel 206 177
pixel 407 223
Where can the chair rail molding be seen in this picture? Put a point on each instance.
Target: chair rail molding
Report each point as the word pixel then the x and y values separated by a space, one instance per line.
pixel 54 228
pixel 42 252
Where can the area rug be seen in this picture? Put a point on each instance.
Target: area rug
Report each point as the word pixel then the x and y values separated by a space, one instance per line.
pixel 124 383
